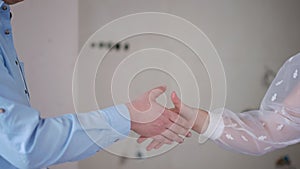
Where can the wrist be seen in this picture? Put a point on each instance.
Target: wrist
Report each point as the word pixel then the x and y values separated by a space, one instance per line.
pixel 201 122
pixel 130 109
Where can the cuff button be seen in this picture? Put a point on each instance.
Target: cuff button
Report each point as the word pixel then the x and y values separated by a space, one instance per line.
pixel 4 7
pixel 6 32
pixel 2 110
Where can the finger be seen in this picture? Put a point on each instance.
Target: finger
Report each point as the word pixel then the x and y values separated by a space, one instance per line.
pixel 152 145
pixel 189 134
pixel 157 138
pixel 174 110
pixel 172 136
pixel 176 101
pixel 158 146
pixel 158 141
pixel 185 111
pixel 179 120
pixel 162 139
pixel 179 129
pixel 141 139
pixel 156 92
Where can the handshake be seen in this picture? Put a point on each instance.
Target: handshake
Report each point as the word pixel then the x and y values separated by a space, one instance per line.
pixel 164 126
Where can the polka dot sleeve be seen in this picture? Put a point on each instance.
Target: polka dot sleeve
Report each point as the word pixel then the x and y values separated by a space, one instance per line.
pixel 275 125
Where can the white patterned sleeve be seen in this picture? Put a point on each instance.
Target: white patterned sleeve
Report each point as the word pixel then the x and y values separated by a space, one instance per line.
pixel 275 125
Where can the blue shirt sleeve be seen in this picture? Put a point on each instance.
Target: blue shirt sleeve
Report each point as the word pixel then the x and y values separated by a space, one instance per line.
pixel 29 141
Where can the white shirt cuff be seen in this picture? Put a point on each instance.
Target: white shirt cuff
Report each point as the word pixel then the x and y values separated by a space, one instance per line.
pixel 104 127
pixel 215 126
pixel 118 118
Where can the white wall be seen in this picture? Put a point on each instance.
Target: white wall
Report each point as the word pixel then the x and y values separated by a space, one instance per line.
pixel 46 38
pixel 250 36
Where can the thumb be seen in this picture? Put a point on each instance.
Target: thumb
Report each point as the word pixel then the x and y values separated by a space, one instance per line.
pixel 156 92
pixel 174 109
pixel 184 110
pixel 176 101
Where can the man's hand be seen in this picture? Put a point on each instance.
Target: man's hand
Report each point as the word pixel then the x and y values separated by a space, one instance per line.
pixel 151 120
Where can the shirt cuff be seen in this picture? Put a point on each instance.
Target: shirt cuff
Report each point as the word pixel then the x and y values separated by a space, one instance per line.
pixel 104 127
pixel 118 118
pixel 215 126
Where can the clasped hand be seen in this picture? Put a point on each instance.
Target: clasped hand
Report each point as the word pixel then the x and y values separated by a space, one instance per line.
pixel 149 119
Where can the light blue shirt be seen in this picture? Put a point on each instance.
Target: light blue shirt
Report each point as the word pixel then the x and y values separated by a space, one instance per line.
pixel 29 141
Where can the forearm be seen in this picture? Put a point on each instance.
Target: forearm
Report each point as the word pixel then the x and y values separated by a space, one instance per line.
pixel 258 132
pixel 32 142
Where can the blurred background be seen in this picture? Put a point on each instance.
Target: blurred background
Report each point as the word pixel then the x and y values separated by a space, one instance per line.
pixel 253 39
